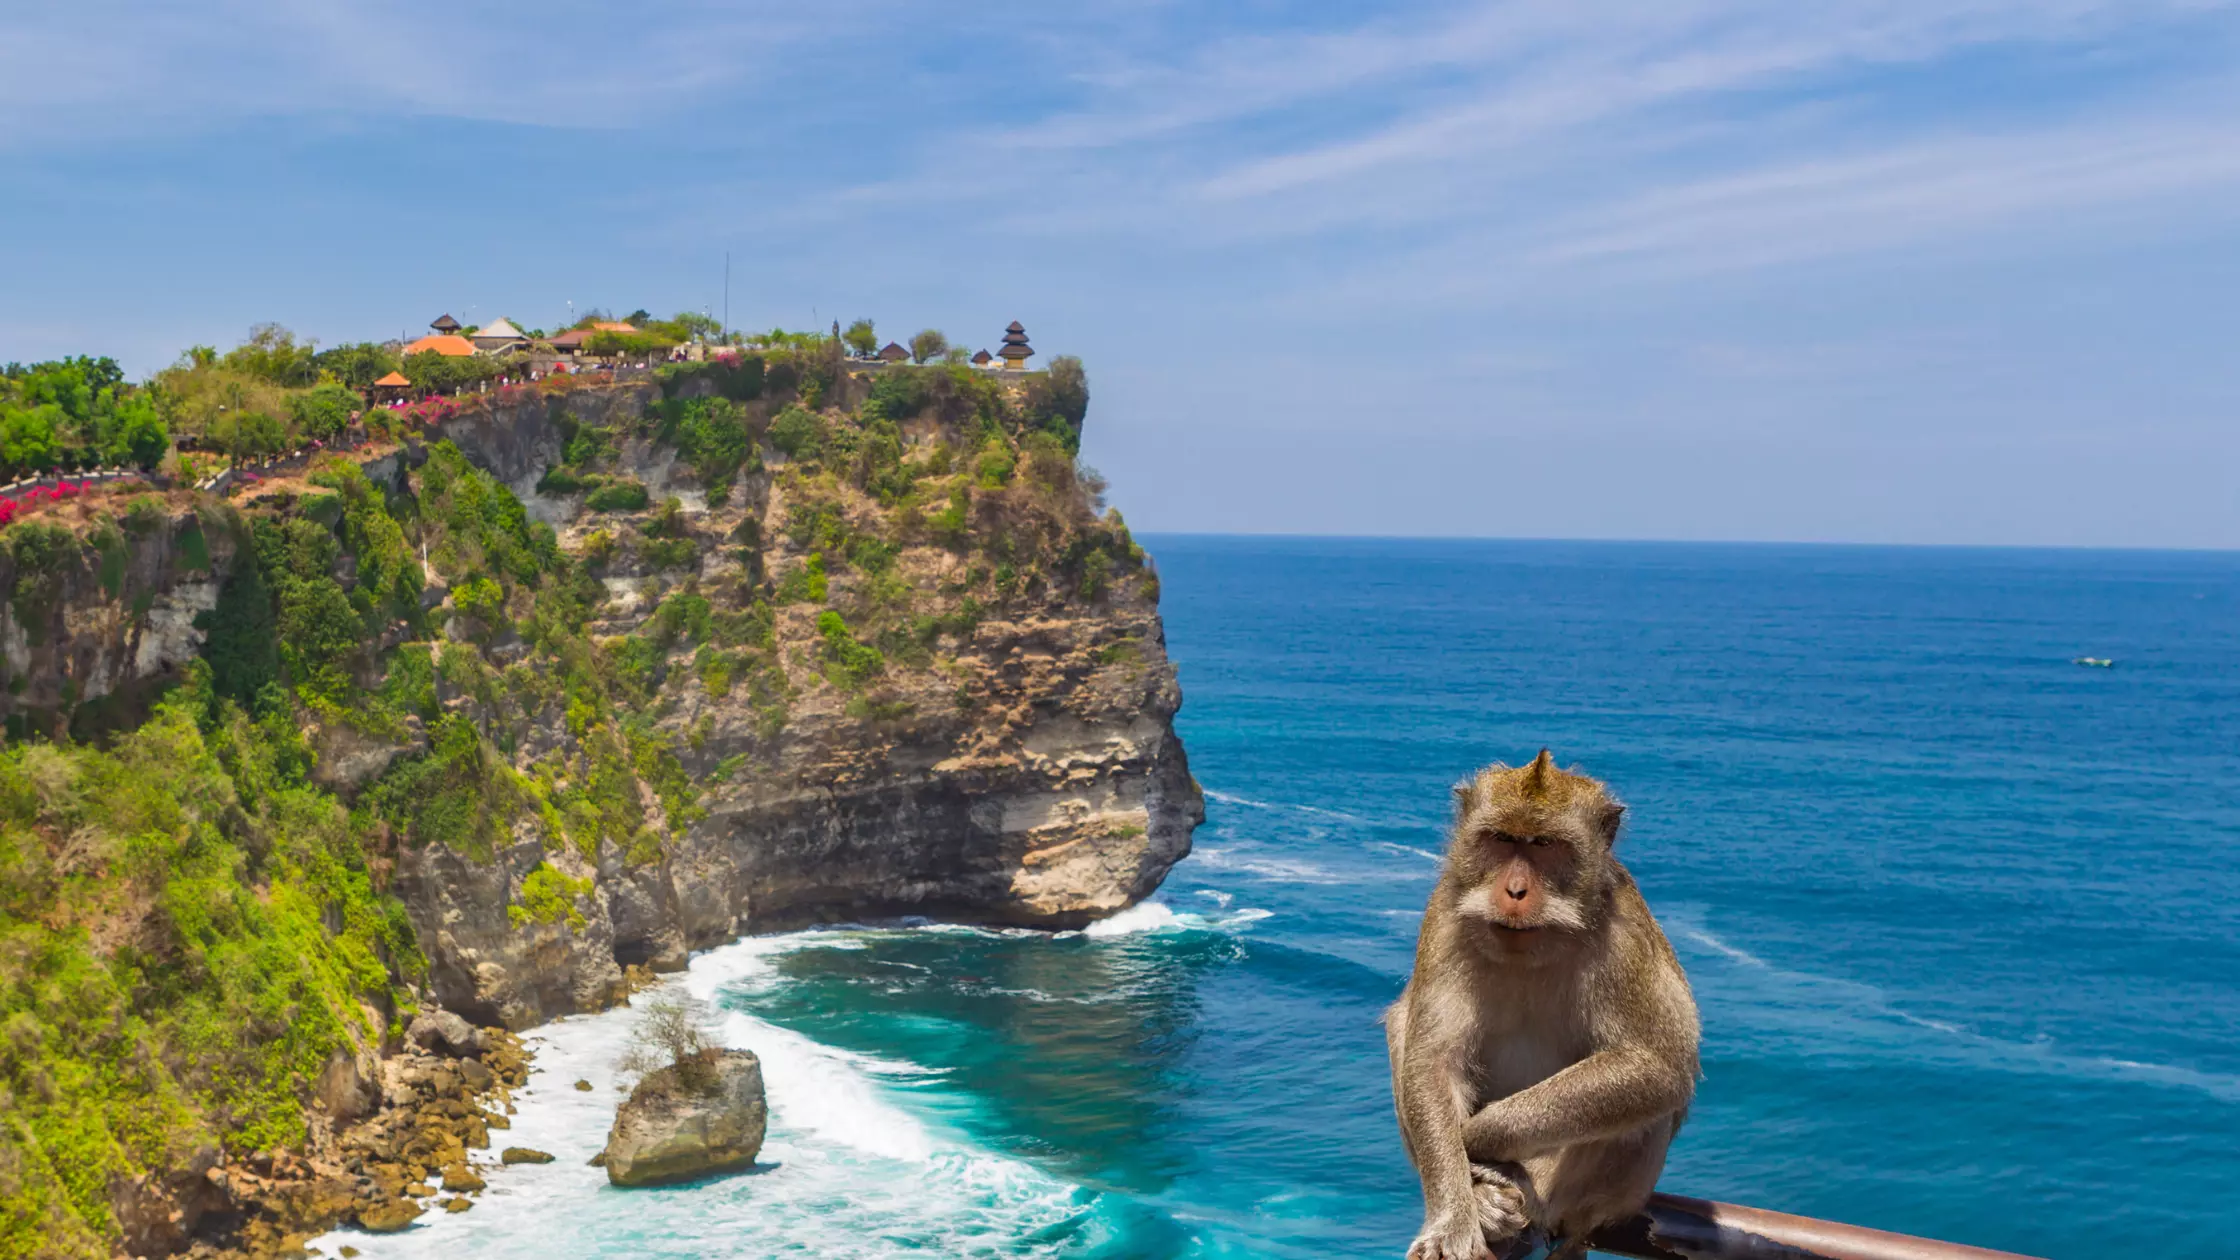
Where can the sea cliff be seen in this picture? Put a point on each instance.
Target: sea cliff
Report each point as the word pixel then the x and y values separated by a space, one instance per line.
pixel 569 682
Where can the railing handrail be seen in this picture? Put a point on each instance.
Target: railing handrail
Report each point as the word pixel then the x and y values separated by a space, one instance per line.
pixel 1679 1228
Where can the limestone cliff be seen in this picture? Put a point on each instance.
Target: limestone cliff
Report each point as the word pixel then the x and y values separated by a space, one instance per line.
pixel 871 649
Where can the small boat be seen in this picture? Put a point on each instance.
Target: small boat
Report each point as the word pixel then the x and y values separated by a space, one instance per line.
pixel 2096 662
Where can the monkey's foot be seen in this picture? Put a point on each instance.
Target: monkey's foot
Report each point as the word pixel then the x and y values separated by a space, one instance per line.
pixel 1448 1240
pixel 1500 1202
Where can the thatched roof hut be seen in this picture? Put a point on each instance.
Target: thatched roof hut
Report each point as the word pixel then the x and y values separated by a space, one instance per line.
pixel 1016 351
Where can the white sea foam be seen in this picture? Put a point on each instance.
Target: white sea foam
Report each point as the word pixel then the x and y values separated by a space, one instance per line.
pixel 1149 917
pixel 1286 870
pixel 1406 850
pixel 1247 802
pixel 845 1172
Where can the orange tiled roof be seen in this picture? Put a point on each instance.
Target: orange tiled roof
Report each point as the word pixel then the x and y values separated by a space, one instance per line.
pixel 451 345
pixel 612 325
pixel 393 378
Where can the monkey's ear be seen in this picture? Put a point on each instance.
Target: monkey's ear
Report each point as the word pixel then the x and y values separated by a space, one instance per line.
pixel 1612 814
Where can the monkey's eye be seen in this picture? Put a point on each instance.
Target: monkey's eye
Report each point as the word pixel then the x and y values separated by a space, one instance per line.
pixel 1491 836
pixel 1537 842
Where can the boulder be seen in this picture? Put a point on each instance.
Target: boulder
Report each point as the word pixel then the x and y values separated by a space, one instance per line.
pixel 523 1155
pixel 441 1031
pixel 388 1217
pixel 696 1119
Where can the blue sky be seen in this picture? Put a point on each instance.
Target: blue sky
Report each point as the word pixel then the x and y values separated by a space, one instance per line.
pixel 1858 270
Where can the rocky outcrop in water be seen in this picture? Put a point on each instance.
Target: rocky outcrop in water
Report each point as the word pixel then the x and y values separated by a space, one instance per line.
pixel 695 1119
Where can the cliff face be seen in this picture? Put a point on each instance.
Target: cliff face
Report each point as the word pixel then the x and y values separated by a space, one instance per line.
pixel 908 669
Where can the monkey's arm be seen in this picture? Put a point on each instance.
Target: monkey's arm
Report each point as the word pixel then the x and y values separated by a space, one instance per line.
pixel 1426 1086
pixel 1603 1095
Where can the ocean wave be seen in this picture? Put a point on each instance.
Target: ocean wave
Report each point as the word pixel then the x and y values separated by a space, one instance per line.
pixel 1286 870
pixel 1247 802
pixel 1151 917
pixel 1858 1010
pixel 1406 850
pixel 845 1171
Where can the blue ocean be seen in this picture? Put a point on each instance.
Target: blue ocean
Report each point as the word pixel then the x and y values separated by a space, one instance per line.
pixel 1962 915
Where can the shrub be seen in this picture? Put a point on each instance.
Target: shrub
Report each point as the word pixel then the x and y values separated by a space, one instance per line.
pixel 617 496
pixel 323 412
pixel 548 895
pixel 667 553
pixel 799 433
pixel 669 1034
pixel 993 469
pixel 849 663
pixel 807 584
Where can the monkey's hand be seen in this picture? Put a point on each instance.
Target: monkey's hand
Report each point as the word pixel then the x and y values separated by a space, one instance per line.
pixel 1501 1205
pixel 1455 1237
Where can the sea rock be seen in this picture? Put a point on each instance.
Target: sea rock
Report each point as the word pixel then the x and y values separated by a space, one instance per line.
pixel 443 1032
pixel 460 1179
pixel 523 1155
pixel 389 1216
pixel 696 1119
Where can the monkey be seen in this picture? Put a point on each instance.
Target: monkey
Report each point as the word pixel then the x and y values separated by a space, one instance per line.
pixel 1544 1052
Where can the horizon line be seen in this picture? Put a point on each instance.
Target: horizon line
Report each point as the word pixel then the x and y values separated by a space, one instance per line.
pixel 1302 536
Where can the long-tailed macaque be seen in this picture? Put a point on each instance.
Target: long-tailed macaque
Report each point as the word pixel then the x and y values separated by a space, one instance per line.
pixel 1544 1052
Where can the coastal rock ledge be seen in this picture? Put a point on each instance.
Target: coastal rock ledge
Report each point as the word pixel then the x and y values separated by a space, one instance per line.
pixel 695 1119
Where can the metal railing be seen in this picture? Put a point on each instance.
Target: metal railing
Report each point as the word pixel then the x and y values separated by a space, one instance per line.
pixel 1677 1228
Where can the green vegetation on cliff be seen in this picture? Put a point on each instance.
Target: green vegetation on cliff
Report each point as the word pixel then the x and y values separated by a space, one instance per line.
pixel 196 917
pixel 188 932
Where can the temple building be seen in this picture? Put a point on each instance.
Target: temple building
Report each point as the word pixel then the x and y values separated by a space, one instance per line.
pixel 449 345
pixel 444 324
pixel 893 352
pixel 1016 351
pixel 982 359
pixel 499 334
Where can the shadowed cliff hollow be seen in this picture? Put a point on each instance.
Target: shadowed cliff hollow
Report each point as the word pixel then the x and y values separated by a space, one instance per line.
pixel 575 680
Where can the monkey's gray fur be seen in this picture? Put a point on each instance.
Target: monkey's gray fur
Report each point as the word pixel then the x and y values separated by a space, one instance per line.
pixel 1544 1051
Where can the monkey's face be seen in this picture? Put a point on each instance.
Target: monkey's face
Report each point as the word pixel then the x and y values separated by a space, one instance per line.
pixel 1523 876
pixel 1531 854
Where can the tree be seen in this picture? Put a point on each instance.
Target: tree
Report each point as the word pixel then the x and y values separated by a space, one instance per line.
pixel 273 354
pixel 323 412
pixel 861 338
pixel 670 1034
pixel 929 344
pixel 133 432
pixel 691 324
pixel 29 437
pixel 358 364
pixel 1059 401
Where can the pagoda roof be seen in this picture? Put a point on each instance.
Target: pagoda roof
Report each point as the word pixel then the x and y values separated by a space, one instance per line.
pixel 1016 350
pixel 893 352
pixel 1017 327
pixel 983 357
pixel 395 379
pixel 449 345
pixel 444 323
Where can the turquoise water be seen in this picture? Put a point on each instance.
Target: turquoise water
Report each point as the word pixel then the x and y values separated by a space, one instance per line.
pixel 1963 918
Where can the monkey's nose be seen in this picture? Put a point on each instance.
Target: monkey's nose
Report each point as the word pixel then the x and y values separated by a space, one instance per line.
pixel 1516 894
